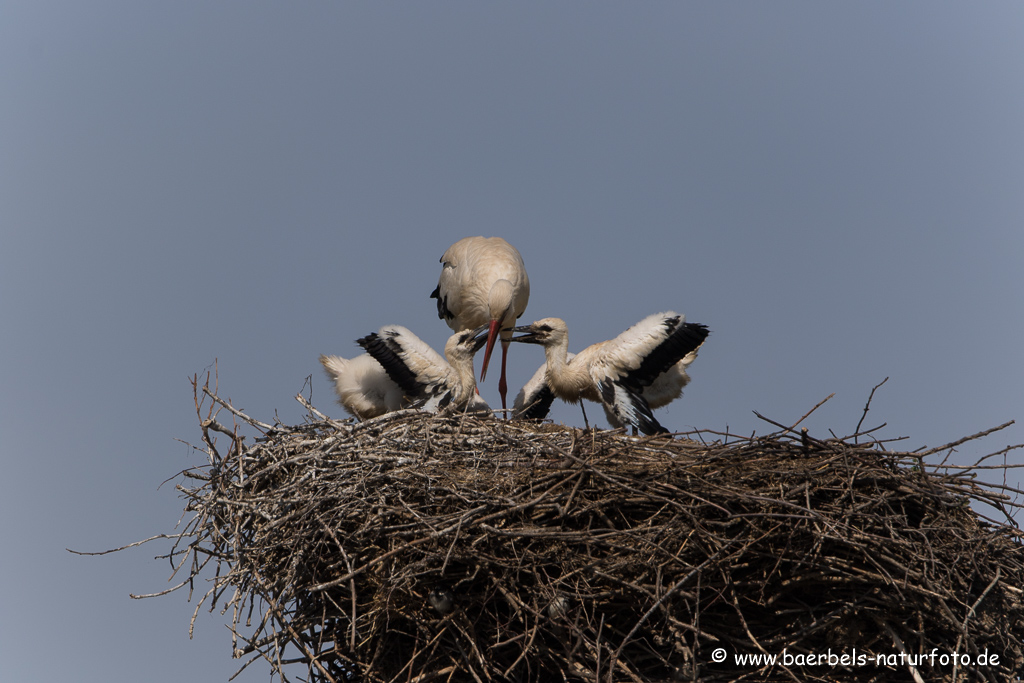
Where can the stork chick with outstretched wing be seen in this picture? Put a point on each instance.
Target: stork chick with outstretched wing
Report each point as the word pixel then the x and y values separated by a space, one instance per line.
pixel 643 367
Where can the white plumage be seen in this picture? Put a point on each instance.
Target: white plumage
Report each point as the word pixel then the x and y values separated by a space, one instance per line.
pixel 646 363
pixel 666 387
pixel 427 380
pixel 533 402
pixel 363 387
pixel 483 282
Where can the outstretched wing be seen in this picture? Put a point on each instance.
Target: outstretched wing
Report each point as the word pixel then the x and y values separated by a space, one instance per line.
pixel 637 356
pixel 629 406
pixel 415 367
pixel 631 362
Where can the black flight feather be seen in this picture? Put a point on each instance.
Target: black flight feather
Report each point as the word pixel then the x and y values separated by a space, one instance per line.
pixel 538 405
pixel 385 351
pixel 630 407
pixel 443 311
pixel 681 340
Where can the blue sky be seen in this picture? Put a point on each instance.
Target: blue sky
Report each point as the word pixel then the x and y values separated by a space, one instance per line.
pixel 833 188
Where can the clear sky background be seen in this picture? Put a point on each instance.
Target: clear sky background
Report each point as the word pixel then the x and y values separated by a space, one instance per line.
pixel 835 189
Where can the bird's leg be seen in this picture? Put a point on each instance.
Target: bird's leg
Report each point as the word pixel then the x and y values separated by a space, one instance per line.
pixel 586 424
pixel 502 384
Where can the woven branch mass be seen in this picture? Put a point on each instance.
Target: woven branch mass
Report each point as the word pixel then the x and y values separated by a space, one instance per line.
pixel 414 547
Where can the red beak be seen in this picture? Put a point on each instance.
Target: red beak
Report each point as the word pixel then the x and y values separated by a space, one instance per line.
pixel 492 336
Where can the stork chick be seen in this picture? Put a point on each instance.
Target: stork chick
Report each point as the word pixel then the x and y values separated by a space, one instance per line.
pixel 426 379
pixel 617 373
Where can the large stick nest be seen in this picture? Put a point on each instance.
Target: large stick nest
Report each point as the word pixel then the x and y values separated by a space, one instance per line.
pixel 588 555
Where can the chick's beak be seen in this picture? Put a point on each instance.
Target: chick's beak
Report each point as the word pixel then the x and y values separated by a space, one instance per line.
pixel 480 337
pixel 529 337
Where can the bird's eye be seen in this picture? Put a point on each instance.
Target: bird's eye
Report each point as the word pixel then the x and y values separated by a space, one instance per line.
pixel 545 328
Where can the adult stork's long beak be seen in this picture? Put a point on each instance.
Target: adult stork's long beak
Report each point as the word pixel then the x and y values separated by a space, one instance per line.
pixel 492 335
pixel 493 331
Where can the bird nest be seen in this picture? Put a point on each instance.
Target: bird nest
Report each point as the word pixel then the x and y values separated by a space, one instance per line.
pixel 417 547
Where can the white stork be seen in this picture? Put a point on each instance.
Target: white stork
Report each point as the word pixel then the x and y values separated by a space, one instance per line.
pixel 426 379
pixel 483 282
pixel 618 373
pixel 363 387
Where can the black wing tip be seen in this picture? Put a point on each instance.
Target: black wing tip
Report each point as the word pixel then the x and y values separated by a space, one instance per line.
pixel 539 405
pixel 698 329
pixel 681 340
pixel 652 427
pixel 368 340
pixel 645 422
pixel 640 418
pixel 692 335
pixel 381 347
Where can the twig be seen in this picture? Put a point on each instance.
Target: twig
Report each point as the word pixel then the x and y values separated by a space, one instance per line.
pixel 898 642
pixel 262 426
pixel 953 444
pixel 867 405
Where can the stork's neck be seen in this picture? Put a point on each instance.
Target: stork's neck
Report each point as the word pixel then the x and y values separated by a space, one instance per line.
pixel 499 302
pixel 465 382
pixel 570 381
pixel 556 355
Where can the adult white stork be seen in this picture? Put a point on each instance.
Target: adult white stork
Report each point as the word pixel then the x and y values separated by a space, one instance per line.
pixel 483 282
pixel 427 380
pixel 618 373
pixel 363 386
